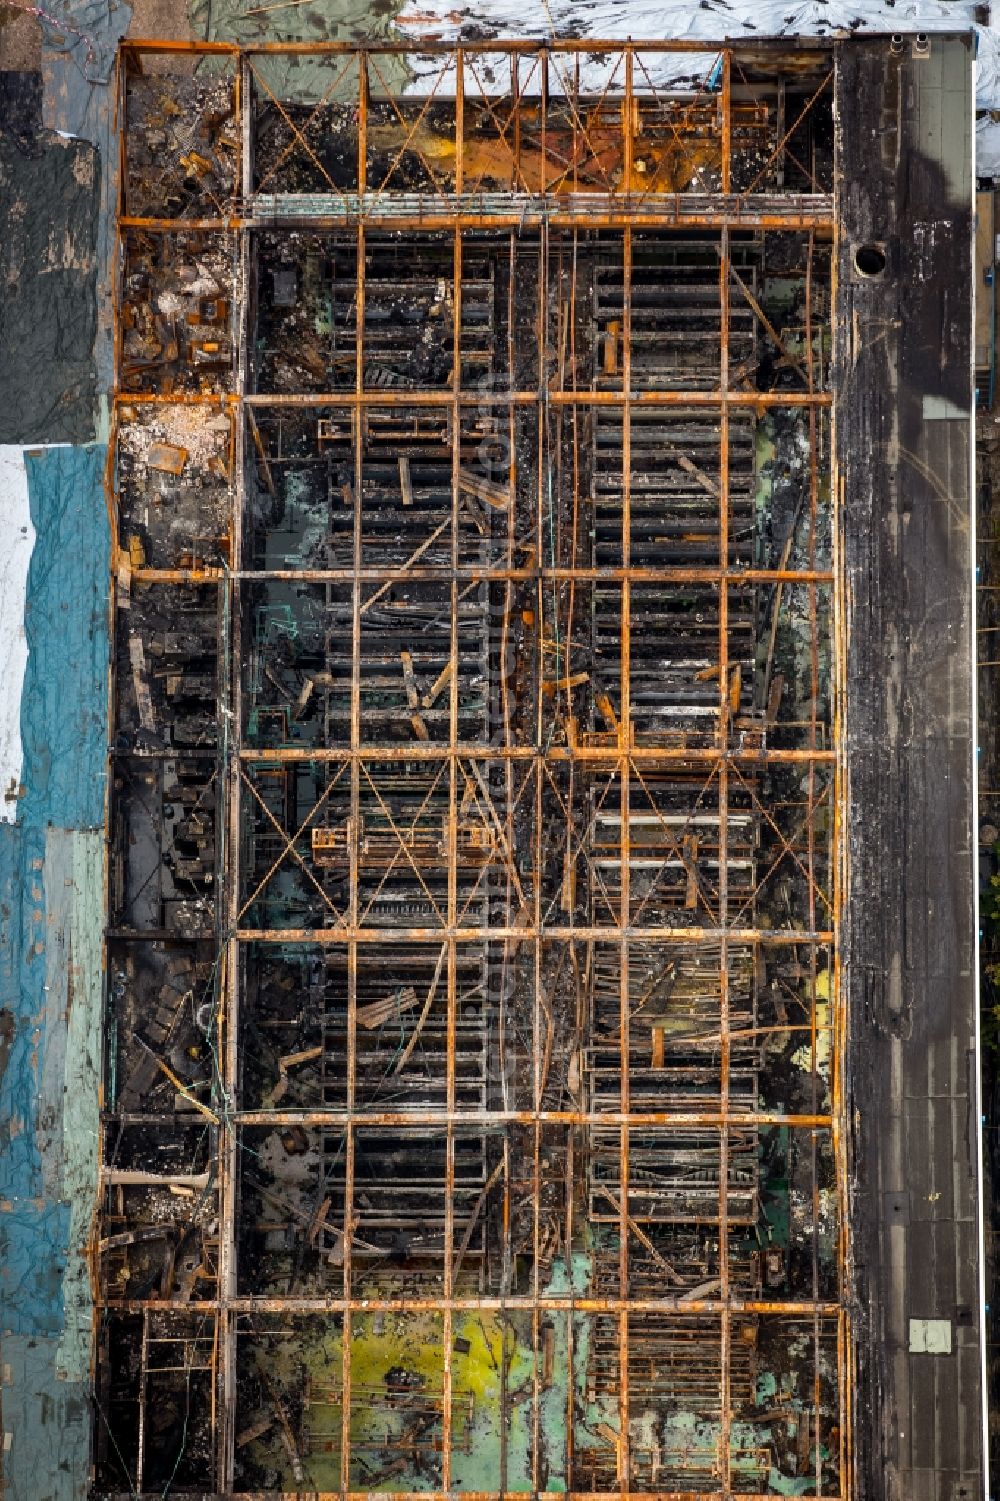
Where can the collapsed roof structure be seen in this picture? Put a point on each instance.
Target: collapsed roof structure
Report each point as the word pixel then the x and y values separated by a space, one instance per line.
pixel 541 642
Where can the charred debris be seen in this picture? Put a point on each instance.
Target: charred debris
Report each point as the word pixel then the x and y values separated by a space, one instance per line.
pixel 471 1074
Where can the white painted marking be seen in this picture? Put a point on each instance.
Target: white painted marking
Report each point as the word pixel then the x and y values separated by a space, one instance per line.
pixel 930 1336
pixel 18 539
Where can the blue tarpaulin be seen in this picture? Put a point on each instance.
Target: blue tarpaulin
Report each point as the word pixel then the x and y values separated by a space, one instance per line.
pixel 51 896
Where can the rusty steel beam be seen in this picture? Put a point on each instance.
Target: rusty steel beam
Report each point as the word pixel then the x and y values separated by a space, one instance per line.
pixel 567 1304
pixel 776 937
pixel 334 1116
pixel 779 47
pixel 467 573
pixel 672 213
pixel 749 400
pixel 599 755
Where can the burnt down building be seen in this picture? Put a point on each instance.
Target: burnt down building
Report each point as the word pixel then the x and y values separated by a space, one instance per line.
pixel 539 963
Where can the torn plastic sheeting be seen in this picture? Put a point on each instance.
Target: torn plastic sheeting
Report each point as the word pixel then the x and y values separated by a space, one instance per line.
pixel 64 705
pixel 299 79
pixel 75 110
pixel 987 147
pixel 49 208
pixel 64 734
pixel 714 20
pixel 51 891
pixel 33 1228
pixel 48 1418
pixel 32 1263
pixel 86 29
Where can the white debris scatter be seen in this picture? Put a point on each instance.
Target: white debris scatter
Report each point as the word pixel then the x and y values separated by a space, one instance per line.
pixel 188 427
pixel 19 538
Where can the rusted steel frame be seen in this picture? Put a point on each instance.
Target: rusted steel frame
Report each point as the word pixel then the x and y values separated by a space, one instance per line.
pixel 231 224
pixel 680 1306
pixel 289 848
pixel 411 130
pixel 755 400
pixel 439 215
pixel 451 992
pixel 674 847
pixel 290 839
pixel 506 1265
pixel 300 135
pixel 782 149
pixel 404 850
pixel 578 839
pixel 604 755
pixel 543 62
pixel 788 841
pixel 725 1322
pixel 650 191
pixel 788 847
pixel 503 830
pixel 845 1382
pixel 727 125
pixel 515 94
pixel 441 1118
pixel 626 736
pixel 543 478
pixel 346 1342
pixel 579 125
pixel 474 573
pixel 217 399
pixel 670 212
pixel 789 132
pixel 775 937
pixel 153 45
pixel 769 327
pixel 513 117
pixel 537 1091
pixel 811 859
pixel 118 267
pixel 572 552
pixel 442 765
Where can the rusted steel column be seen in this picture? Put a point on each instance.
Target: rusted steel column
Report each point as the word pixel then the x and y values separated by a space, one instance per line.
pixel 625 914
pixel 725 1324
pixel 228 913
pixel 454 647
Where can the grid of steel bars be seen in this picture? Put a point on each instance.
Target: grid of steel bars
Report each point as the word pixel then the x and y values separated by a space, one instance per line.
pixel 730 754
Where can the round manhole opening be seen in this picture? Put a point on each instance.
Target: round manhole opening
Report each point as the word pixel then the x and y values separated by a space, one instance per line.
pixel 869 260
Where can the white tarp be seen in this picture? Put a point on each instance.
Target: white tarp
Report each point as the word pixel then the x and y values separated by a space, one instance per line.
pixel 19 539
pixel 987 147
pixel 689 20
